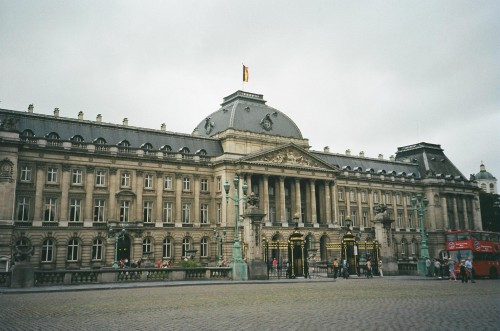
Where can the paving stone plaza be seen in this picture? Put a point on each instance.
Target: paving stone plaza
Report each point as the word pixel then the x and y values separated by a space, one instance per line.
pixel 391 303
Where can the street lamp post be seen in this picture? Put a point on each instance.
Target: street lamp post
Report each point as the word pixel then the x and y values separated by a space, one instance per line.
pixel 237 260
pixel 117 234
pixel 420 206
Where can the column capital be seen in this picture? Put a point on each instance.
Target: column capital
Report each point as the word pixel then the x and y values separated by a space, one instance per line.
pixel 178 175
pixel 112 171
pixel 66 167
pixel 139 172
pixel 196 176
pixel 159 174
pixel 90 168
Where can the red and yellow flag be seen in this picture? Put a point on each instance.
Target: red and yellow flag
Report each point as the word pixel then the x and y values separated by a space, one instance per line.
pixel 245 73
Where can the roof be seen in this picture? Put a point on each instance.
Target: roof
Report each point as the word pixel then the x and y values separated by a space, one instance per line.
pixel 66 128
pixel 483 174
pixel 246 111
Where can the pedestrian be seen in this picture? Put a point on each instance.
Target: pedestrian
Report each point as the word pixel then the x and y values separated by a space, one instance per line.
pixel 468 269
pixel 381 273
pixel 451 270
pixel 463 272
pixel 159 264
pixel 369 269
pixel 335 267
pixel 345 272
pixel 428 266
pixel 121 264
pixel 275 265
pixel 437 268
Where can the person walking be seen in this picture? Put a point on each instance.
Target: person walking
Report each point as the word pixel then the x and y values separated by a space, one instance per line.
pixel 468 270
pixel 335 267
pixel 463 272
pixel 428 266
pixel 451 270
pixel 369 269
pixel 381 273
pixel 437 268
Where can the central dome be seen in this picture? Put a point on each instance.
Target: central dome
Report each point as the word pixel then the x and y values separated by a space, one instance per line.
pixel 246 111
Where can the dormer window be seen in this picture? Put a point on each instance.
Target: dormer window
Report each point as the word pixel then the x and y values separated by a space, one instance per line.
pixel 77 140
pixel 53 138
pixel 123 146
pixel 166 148
pixel 201 152
pixel 100 144
pixel 28 136
pixel 147 148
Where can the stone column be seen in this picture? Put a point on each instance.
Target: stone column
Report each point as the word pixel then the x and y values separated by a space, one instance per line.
pixel 370 206
pixel 298 209
pixel 159 200
pixel 476 213
pixel 335 205
pixel 249 183
pixel 65 194
pixel 113 188
pixel 360 209
pixel 139 185
pixel 281 203
pixel 196 200
pixel 308 202
pixel 89 195
pixel 314 215
pixel 466 217
pixel 328 203
pixel 455 213
pixel 257 268
pixel 431 212
pixel 40 180
pixel 405 210
pixel 347 199
pixel 444 211
pixel 265 197
pixel 178 200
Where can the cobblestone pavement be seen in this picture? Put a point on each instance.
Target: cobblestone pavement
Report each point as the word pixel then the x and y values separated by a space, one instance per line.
pixel 359 304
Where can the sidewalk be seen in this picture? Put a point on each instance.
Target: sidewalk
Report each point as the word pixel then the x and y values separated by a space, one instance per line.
pixel 129 285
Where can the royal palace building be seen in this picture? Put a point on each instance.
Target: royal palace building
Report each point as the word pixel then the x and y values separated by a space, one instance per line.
pixel 67 183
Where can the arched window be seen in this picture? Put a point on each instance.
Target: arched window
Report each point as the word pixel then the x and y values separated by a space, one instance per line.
pixel 147 148
pixel 97 247
pixel 201 152
pixel 123 146
pixel 47 250
pixel 184 150
pixel 483 187
pixel 73 249
pixel 52 135
pixel 492 188
pixel 204 247
pixel 167 248
pixel 186 246
pixel 413 247
pixel 147 245
pixel 28 136
pixel 53 139
pixel 28 133
pixel 309 241
pixel 404 247
pixel 166 148
pixel 77 141
pixel 100 144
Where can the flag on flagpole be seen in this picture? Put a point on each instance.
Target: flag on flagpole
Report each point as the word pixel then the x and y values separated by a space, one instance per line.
pixel 245 73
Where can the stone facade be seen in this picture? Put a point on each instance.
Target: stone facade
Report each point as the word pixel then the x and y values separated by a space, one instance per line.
pixel 66 182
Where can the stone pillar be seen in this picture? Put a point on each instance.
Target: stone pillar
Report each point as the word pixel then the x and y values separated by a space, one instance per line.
pixel 159 200
pixel 347 199
pixel 476 213
pixel 257 268
pixel 139 185
pixel 249 183
pixel 113 189
pixel 89 195
pixel 63 221
pixel 455 213
pixel 360 209
pixel 371 206
pixel 308 203
pixel 431 226
pixel 466 217
pixel 314 215
pixel 178 200
pixel 405 210
pixel 40 180
pixel 444 211
pixel 328 203
pixel 383 234
pixel 281 203
pixel 298 207
pixel 335 206
pixel 197 200
pixel 265 197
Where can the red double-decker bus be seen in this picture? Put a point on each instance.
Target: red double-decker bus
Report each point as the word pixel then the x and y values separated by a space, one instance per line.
pixel 481 246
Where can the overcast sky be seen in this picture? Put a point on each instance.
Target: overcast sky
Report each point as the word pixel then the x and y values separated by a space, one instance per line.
pixel 362 75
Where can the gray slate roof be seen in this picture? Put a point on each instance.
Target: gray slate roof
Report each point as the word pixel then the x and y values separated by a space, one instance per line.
pixel 247 112
pixel 66 128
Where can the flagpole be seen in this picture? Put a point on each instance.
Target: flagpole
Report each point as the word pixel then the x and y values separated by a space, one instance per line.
pixel 243 80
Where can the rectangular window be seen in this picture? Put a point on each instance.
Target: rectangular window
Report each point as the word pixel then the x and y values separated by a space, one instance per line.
pixel 363 196
pixel 47 250
pixel 388 198
pixel 219 213
pixel 23 209
pixel 341 195
pixel 204 185
pixel 147 211
pixel 219 184
pixel 100 178
pixel 288 211
pixel 341 217
pixel 124 210
pixel 186 213
pixel 75 210
pixel 365 218
pixel 77 176
pixel 26 172
pixel 204 247
pixel 186 184
pixel 99 205
pixel 400 220
pixel 354 215
pixel 271 190
pixel 97 250
pixel 125 179
pixel 52 175
pixel 272 216
pixel 167 183
pixel 352 195
pixel 410 221
pixel 167 212
pixel 408 199
pixel 375 197
pixel 398 199
pixel 148 181
pixel 204 213
pixel 49 214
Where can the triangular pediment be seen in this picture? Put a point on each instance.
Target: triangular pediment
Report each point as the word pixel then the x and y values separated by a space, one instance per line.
pixel 289 155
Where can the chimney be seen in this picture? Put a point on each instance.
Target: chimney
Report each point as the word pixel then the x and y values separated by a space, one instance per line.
pixel 125 121
pixel 98 119
pixel 347 152
pixel 56 112
pixel 381 156
pixel 163 127
pixel 30 108
pixel 362 154
pixel 392 158
pixel 326 149
pixel 80 116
